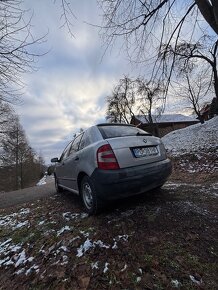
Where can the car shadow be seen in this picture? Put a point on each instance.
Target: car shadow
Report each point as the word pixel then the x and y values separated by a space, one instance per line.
pixel 153 197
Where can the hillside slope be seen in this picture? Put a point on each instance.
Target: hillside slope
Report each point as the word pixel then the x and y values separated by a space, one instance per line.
pixel 195 138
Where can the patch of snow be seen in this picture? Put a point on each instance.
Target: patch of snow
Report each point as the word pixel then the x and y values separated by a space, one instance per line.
pixel 123 237
pixel 63 248
pixel 62 230
pixel 124 268
pixel 20 225
pixel 42 181
pixel 88 244
pixel 198 282
pixel 85 234
pixel 94 265
pixel 21 259
pixel 215 187
pixel 69 216
pixel 138 279
pixel 65 260
pixel 31 269
pixel 4 245
pixel 114 247
pixel 175 283
pixel 101 244
pixel 15 248
pixel 17 259
pixel 24 211
pixel 193 138
pixel 119 238
pixel 84 248
pixel 106 267
pixel 4 261
pixel 170 184
pixel 12 221
pixel 20 271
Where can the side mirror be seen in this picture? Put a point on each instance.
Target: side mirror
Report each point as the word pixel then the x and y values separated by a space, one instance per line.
pixel 53 160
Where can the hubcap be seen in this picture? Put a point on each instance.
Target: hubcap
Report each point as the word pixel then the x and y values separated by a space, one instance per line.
pixel 87 195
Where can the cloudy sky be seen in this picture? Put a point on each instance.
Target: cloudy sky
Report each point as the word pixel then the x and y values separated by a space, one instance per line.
pixel 68 90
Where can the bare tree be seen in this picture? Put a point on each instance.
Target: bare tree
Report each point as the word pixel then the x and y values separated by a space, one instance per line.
pixel 66 15
pixel 121 103
pixel 186 55
pixel 149 28
pixel 151 99
pixel 196 89
pixel 17 155
pixel 130 97
pixel 15 150
pixel 17 54
pixel 6 118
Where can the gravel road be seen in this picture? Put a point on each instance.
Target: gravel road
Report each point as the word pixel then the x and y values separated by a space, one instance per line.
pixel 12 198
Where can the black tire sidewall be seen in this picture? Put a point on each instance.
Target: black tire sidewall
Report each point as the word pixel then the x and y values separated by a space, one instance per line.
pixel 57 187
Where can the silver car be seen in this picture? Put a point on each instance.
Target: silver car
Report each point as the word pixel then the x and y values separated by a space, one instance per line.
pixel 111 161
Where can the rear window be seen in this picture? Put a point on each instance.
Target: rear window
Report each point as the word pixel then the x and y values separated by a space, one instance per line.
pixel 120 131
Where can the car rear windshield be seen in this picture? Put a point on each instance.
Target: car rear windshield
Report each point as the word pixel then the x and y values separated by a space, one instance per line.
pixel 121 131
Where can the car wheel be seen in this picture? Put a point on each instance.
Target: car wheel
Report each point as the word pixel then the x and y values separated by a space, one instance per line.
pixel 89 197
pixel 58 188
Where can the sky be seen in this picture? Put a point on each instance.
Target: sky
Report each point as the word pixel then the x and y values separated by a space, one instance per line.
pixel 68 90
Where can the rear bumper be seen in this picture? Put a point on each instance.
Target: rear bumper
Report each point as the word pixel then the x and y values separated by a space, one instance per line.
pixel 114 184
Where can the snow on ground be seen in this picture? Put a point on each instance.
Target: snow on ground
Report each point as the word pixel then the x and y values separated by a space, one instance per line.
pixel 42 181
pixel 15 220
pixel 21 257
pixel 73 238
pixel 199 137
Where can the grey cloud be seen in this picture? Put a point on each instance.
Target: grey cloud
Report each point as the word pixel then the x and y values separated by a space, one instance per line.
pixel 69 89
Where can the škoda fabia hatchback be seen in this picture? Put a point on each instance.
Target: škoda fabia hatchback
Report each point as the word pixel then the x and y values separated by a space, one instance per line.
pixel 111 161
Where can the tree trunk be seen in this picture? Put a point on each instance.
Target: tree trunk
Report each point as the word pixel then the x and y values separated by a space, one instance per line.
pixel 209 12
pixel 215 75
pixel 215 82
pixel 16 160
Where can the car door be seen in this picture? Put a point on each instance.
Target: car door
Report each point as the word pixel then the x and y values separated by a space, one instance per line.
pixel 60 167
pixel 71 164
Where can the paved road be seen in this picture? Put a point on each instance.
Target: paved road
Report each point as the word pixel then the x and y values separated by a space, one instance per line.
pixel 12 198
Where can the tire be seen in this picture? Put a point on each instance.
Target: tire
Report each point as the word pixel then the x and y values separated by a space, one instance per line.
pixel 57 187
pixel 91 202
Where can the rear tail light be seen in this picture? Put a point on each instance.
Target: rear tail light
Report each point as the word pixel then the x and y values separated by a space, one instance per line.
pixel 106 158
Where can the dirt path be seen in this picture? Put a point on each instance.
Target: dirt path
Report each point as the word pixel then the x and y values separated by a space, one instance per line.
pixel 13 198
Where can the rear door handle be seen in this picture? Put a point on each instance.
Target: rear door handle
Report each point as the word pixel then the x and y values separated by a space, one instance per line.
pixel 76 158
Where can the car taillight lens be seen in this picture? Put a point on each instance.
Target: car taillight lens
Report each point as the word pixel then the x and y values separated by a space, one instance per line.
pixel 106 158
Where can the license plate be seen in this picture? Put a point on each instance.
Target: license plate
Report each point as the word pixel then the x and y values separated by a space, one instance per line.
pixel 145 151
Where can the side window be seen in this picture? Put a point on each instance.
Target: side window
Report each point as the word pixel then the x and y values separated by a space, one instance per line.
pixel 75 145
pixel 85 141
pixel 66 151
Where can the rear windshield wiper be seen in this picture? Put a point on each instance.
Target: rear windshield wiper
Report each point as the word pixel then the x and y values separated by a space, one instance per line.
pixel 143 134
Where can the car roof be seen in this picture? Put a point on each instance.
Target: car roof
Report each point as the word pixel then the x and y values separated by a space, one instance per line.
pixel 114 124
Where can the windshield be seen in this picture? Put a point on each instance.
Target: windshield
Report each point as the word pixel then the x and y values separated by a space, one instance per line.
pixel 120 131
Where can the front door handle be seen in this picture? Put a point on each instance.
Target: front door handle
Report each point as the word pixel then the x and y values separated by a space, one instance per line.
pixel 76 158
